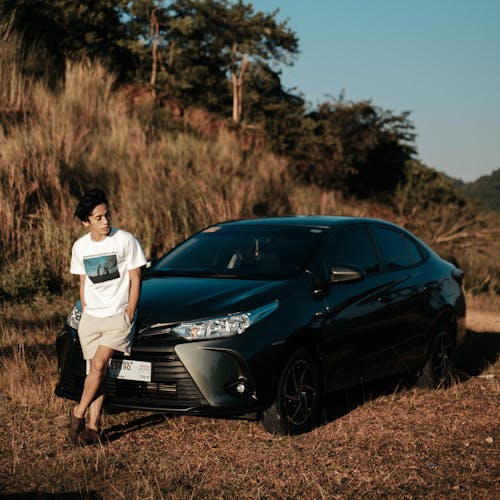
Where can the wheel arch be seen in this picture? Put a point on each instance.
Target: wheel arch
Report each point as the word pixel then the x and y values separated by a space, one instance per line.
pixel 309 344
pixel 306 403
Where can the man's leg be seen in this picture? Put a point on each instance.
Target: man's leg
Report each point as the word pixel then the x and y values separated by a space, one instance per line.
pixel 95 407
pixel 94 380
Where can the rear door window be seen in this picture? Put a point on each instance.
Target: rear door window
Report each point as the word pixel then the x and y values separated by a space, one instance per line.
pixel 398 251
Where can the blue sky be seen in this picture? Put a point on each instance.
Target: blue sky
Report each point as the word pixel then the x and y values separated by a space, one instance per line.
pixel 439 59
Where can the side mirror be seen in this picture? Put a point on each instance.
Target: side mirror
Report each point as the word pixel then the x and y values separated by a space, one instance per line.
pixel 346 274
pixel 148 267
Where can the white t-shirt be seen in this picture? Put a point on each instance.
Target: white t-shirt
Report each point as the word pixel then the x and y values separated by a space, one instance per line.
pixel 106 264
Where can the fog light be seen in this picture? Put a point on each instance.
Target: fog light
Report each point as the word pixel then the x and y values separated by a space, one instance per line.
pixel 240 388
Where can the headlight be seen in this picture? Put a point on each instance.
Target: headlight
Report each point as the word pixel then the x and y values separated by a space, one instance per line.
pixel 73 320
pixel 223 326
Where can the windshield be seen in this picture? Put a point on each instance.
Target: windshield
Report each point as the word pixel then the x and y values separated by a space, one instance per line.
pixel 250 252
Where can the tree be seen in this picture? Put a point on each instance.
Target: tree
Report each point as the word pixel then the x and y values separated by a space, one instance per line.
pixel 213 43
pixel 249 37
pixel 252 38
pixel 486 190
pixel 71 30
pixel 355 146
pixel 278 112
pixel 148 26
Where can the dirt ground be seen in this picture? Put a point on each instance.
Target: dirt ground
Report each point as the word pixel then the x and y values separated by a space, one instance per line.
pixel 383 440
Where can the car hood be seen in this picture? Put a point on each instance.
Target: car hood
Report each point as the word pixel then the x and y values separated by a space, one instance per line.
pixel 174 299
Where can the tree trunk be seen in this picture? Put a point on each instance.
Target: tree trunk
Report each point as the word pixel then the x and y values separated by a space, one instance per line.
pixel 154 32
pixel 237 80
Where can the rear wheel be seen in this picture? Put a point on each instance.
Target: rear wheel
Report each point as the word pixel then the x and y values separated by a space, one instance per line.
pixel 296 406
pixel 439 370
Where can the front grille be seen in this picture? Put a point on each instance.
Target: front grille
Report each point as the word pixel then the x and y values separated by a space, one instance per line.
pixel 170 386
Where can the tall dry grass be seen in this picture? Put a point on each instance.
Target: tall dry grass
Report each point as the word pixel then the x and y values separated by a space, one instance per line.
pixel 162 186
pixel 163 183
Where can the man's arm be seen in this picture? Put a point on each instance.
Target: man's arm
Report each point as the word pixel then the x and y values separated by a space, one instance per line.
pixel 134 291
pixel 82 290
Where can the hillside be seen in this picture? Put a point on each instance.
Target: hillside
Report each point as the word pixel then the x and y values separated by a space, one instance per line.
pixel 169 176
pixel 486 190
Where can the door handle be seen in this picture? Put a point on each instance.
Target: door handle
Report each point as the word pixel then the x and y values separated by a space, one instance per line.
pixel 385 299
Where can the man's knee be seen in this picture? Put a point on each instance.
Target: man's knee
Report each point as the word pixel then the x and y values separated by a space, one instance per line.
pixel 98 366
pixel 99 362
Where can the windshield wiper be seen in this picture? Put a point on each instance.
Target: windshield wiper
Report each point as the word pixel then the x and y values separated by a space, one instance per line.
pixel 232 275
pixel 195 273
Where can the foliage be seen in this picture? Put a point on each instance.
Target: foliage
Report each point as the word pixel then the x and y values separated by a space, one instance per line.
pixel 424 188
pixel 430 204
pixel 206 48
pixel 486 190
pixel 65 29
pixel 355 146
pixel 279 113
pixel 223 55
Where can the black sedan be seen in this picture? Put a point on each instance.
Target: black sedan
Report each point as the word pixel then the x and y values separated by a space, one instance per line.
pixel 264 316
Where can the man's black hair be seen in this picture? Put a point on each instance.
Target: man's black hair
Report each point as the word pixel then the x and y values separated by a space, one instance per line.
pixel 88 202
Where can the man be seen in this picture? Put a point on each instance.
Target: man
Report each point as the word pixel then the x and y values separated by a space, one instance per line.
pixel 109 300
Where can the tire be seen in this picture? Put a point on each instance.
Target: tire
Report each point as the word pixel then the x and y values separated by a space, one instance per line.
pixel 439 371
pixel 296 406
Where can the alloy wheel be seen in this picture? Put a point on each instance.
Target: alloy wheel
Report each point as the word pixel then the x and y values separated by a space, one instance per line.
pixel 442 358
pixel 299 393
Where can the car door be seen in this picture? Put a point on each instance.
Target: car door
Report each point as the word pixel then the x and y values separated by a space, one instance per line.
pixel 352 341
pixel 361 334
pixel 407 298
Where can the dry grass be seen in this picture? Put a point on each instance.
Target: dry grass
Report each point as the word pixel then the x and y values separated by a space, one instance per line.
pixel 376 441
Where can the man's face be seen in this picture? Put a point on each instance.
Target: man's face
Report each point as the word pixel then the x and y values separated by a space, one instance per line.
pixel 99 222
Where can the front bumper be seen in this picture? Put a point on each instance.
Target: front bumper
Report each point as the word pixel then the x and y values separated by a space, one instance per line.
pixel 186 378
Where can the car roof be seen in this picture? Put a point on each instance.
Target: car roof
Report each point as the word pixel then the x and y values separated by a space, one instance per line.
pixel 324 221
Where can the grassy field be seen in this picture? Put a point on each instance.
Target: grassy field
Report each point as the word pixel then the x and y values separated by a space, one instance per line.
pixel 379 440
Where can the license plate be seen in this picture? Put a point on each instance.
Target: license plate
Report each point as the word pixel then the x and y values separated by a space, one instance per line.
pixel 128 369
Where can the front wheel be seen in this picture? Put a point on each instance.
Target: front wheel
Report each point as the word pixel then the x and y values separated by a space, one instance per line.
pixel 439 370
pixel 296 406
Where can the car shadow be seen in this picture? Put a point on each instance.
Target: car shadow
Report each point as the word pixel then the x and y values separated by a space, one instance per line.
pixel 116 432
pixel 478 351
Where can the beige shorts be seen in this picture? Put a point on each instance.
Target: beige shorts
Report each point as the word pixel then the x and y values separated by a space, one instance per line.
pixel 114 332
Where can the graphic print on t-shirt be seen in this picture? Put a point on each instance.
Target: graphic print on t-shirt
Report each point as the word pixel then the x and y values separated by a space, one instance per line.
pixel 102 268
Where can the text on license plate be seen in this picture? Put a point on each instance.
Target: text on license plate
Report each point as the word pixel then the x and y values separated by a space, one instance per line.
pixel 128 369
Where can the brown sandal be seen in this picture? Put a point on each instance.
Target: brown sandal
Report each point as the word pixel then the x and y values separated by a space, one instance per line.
pixel 76 426
pixel 88 436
